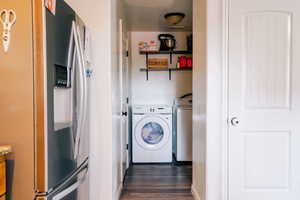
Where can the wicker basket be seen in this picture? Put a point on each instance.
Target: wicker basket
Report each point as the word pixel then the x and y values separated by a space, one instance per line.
pixel 158 63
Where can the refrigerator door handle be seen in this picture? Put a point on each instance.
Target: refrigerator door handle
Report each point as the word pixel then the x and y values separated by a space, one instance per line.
pixel 82 103
pixel 84 82
pixel 82 169
pixel 67 191
pixel 72 60
pixel 72 94
pixel 70 64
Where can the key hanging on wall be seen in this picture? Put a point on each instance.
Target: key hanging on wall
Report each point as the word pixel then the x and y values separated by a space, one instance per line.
pixel 8 19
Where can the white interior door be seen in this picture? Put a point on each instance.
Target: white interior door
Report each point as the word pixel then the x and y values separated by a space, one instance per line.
pixel 264 100
pixel 126 94
pixel 124 97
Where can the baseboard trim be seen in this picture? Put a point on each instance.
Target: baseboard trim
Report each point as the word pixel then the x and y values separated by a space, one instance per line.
pixel 195 193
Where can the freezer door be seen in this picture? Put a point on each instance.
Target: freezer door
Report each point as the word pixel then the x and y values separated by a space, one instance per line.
pixel 75 188
pixel 75 191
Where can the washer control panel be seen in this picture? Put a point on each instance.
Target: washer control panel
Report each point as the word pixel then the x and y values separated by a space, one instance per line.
pixel 154 109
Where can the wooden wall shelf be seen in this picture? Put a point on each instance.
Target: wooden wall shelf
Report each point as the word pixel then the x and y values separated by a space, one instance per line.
pixel 171 53
pixel 165 52
pixel 147 70
pixel 166 69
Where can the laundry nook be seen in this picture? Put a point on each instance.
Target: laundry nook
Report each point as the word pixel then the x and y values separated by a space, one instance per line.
pixel 157 83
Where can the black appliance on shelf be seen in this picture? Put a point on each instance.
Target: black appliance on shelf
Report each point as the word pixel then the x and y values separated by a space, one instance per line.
pixel 167 42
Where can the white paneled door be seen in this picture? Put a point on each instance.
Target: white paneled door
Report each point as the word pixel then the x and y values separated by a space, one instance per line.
pixel 124 91
pixel 264 100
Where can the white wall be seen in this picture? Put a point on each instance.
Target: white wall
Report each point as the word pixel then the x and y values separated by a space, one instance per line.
pixel 97 16
pixel 199 101
pixel 158 89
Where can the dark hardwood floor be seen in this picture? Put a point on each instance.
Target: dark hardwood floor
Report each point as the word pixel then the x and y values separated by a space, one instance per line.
pixel 158 182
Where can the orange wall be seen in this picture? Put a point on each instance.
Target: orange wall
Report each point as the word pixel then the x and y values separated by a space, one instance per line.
pixel 16 98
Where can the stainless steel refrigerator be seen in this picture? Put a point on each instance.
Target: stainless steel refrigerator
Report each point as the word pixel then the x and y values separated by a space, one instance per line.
pixel 62 167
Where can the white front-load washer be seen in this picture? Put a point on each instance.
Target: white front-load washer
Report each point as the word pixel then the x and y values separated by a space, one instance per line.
pixel 152 134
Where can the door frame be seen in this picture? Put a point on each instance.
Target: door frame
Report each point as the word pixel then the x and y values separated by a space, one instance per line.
pixel 39 63
pixel 217 161
pixel 123 37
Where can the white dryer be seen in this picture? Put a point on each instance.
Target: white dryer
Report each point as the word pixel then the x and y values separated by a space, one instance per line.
pixel 183 128
pixel 152 134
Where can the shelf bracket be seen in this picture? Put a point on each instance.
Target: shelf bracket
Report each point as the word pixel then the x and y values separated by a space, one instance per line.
pixel 147 65
pixel 147 62
pixel 170 74
pixel 147 74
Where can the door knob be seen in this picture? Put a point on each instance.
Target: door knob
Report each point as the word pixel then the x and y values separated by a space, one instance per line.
pixel 235 121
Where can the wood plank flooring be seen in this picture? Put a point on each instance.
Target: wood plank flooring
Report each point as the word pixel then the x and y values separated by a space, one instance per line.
pixel 158 182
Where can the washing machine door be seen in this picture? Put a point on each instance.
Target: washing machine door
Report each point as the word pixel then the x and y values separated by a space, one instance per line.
pixel 152 133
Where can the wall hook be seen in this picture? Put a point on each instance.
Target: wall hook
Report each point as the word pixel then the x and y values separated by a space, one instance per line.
pixel 8 19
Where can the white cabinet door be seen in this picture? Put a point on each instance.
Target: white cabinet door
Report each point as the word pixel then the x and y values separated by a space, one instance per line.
pixel 264 100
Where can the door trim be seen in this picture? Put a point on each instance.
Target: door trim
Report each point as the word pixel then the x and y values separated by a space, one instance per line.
pixel 39 96
pixel 225 106
pixel 217 100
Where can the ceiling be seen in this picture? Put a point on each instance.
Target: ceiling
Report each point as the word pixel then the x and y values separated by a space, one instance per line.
pixel 148 15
